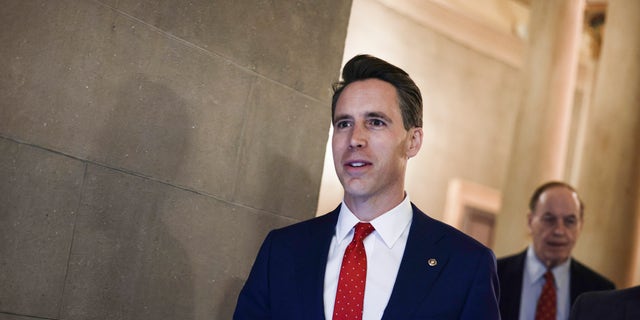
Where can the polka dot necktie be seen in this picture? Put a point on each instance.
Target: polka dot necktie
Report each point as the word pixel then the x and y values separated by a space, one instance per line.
pixel 353 276
pixel 546 309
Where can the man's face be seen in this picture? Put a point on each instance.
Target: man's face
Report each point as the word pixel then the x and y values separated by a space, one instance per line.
pixel 555 225
pixel 370 144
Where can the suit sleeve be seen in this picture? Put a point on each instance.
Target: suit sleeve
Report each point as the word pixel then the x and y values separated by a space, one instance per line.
pixel 484 293
pixel 253 301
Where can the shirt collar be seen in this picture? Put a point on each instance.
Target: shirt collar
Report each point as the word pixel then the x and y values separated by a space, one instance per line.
pixel 389 225
pixel 536 269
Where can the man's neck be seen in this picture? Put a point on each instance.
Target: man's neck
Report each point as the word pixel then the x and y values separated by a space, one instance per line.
pixel 369 208
pixel 549 264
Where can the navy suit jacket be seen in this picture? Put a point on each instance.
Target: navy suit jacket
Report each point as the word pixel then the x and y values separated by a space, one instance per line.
pixel 510 271
pixel 287 278
pixel 610 305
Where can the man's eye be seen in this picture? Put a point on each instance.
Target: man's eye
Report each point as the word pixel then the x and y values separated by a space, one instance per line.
pixel 548 219
pixel 376 122
pixel 343 124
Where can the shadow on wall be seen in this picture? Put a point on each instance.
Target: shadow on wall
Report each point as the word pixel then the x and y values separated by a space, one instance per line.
pixel 125 263
pixel 279 191
pixel 147 131
pixel 227 305
pixel 287 183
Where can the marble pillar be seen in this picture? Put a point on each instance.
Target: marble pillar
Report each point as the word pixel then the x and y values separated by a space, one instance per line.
pixel 608 174
pixel 542 128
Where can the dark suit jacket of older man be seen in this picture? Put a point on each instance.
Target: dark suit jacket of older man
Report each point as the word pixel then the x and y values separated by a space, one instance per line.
pixel 287 278
pixel 610 305
pixel 510 272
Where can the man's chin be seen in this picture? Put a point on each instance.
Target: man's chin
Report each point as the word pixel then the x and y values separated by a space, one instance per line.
pixel 356 188
pixel 555 260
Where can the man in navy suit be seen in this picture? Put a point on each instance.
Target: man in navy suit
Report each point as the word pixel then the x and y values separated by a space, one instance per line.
pixel 555 220
pixel 611 305
pixel 416 267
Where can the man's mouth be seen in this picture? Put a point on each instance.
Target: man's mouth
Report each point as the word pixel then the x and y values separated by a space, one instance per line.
pixel 357 164
pixel 556 244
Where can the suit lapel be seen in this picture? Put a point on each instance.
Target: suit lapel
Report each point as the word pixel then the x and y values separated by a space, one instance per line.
pixel 312 259
pixel 415 272
pixel 511 286
pixel 578 279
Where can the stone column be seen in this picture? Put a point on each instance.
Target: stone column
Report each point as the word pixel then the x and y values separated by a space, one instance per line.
pixel 542 128
pixel 609 167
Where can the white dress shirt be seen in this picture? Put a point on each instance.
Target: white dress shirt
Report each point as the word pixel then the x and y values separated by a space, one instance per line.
pixel 532 282
pixel 384 248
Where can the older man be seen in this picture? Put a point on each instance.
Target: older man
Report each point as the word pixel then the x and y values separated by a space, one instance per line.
pixel 543 281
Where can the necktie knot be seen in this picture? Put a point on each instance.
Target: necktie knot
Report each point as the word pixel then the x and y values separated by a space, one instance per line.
pixel 362 230
pixel 548 276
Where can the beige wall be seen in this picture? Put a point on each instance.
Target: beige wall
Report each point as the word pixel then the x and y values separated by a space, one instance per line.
pixel 147 147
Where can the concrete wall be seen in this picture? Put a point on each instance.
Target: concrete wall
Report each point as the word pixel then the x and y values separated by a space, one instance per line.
pixel 147 147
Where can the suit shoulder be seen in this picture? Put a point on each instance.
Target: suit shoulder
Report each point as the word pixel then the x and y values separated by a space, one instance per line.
pixel 510 268
pixel 511 259
pixel 587 275
pixel 628 294
pixel 608 304
pixel 605 296
pixel 305 226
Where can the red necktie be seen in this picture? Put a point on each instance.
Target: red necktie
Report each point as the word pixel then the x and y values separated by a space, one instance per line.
pixel 546 309
pixel 353 276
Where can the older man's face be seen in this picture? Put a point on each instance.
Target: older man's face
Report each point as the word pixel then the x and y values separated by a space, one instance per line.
pixel 555 225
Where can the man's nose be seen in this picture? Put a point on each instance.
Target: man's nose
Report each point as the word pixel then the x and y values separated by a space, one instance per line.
pixel 560 228
pixel 358 137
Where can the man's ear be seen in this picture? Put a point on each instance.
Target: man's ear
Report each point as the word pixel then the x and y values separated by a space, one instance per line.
pixel 415 142
pixel 529 218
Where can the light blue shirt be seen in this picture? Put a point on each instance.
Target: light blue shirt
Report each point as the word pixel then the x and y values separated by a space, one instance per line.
pixel 532 282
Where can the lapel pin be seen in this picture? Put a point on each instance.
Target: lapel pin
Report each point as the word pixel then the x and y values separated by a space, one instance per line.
pixel 432 262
